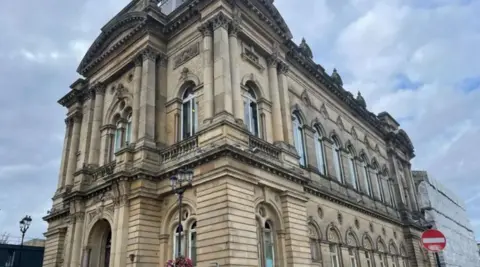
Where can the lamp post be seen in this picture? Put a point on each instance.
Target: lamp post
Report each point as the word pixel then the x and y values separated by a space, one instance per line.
pixel 24 225
pixel 179 183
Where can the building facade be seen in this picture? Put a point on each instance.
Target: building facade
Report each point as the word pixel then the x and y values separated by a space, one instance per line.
pixel 290 169
pixel 447 213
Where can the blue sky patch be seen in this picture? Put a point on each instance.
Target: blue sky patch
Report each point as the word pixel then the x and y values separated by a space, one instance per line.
pixel 403 82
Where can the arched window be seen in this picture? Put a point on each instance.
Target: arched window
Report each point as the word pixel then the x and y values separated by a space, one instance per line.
pixel 108 246
pixel 379 183
pixel 352 254
pixel 189 119
pixel 383 260
pixel 128 132
pixel 178 230
pixel 250 108
pixel 267 245
pixel 299 139
pixel 118 136
pixel 192 243
pixel 334 257
pixel 391 190
pixel 320 151
pixel 315 251
pixel 337 159
pixel 366 175
pixel 368 259
pixel 352 168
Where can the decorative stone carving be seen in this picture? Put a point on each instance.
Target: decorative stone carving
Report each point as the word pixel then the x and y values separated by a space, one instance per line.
pixel 324 111
pixel 305 98
pixel 220 20
pixel 340 123
pixel 340 218
pixel 138 61
pixel 371 227
pixel 149 54
pixel 320 212
pixel 186 55
pixel 235 23
pixel 283 68
pixel 332 235
pixel 206 29
pixel 305 49
pixel 272 61
pixel 366 243
pixel 351 240
pixel 354 133
pixel 384 232
pixel 357 223
pixel 337 79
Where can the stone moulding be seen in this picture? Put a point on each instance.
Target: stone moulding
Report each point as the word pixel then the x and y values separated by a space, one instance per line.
pixel 187 54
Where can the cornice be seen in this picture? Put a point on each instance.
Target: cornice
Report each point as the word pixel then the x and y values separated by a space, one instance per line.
pixel 55 215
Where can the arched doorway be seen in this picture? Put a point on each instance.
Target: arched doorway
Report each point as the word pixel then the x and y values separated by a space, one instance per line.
pixel 99 245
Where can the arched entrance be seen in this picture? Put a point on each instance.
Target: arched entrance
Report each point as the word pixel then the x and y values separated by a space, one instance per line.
pixel 99 245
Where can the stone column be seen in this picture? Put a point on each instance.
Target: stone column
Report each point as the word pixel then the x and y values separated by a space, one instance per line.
pixel 234 54
pixel 275 97
pixel 146 124
pixel 285 103
pixel 207 54
pixel 77 239
pixel 64 162
pixel 137 83
pixel 221 65
pixel 97 123
pixel 74 141
pixel 162 96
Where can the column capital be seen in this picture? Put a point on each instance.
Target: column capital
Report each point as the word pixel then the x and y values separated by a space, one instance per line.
pixel 149 53
pixel 162 61
pixel 283 68
pixel 206 29
pixel 78 216
pixel 138 60
pixel 220 20
pixel 234 25
pixel 272 61
pixel 75 117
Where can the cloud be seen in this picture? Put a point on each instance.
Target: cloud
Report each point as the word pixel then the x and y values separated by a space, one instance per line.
pixel 415 59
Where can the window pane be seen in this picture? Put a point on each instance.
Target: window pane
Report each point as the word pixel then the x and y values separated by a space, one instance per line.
pixel 118 139
pixel 193 247
pixel 128 134
pixel 353 175
pixel 194 116
pixel 186 119
pixel 319 152
pixel 336 159
pixel 246 113
pixel 366 179
pixel 254 118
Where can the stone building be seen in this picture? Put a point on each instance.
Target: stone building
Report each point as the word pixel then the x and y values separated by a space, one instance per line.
pixel 447 213
pixel 290 169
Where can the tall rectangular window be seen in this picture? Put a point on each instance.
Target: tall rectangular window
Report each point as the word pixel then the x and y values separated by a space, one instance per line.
pixel 334 256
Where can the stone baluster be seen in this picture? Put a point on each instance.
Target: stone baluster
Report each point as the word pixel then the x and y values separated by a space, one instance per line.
pixel 76 120
pixel 99 90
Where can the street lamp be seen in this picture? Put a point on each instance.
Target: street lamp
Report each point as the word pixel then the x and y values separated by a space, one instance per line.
pixel 24 225
pixel 179 184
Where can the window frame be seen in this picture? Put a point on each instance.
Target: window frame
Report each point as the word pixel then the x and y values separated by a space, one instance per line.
pixel 249 97
pixel 334 255
pixel 352 167
pixel 337 159
pixel 191 98
pixel 299 138
pixel 320 151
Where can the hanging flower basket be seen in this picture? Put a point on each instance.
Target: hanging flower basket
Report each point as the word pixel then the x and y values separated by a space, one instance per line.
pixel 179 262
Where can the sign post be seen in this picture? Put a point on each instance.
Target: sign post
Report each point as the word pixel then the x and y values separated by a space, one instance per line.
pixel 434 241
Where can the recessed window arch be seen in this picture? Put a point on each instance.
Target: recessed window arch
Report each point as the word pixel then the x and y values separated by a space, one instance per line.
pixel 189 116
pixel 320 150
pixel 266 243
pixel 314 235
pixel 334 239
pixel 379 181
pixel 299 139
pixel 250 108
pixel 128 130
pixel 352 167
pixel 337 158
pixel 366 174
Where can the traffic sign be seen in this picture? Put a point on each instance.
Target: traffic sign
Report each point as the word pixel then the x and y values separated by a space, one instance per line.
pixel 434 240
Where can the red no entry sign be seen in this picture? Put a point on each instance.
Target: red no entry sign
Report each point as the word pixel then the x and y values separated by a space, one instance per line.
pixel 433 240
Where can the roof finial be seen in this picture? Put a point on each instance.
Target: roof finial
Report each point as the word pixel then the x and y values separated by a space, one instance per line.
pixel 336 77
pixel 360 100
pixel 305 49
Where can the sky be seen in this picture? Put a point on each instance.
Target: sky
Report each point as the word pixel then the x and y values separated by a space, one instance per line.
pixel 415 59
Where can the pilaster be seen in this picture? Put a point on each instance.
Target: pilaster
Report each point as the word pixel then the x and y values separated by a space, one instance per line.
pixel 226 225
pixel 64 159
pixel 54 247
pixel 94 149
pixel 161 110
pixel 221 65
pixel 207 55
pixel 297 243
pixel 121 213
pixel 147 118
pixel 273 61
pixel 78 218
pixel 76 120
pixel 137 85
pixel 285 103
pixel 235 68
pixel 106 144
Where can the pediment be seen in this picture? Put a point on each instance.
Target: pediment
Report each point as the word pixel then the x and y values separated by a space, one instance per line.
pixel 269 13
pixel 116 32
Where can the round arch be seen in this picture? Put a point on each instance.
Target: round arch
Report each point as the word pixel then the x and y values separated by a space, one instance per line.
pixel 351 238
pixel 333 234
pixel 99 241
pixel 250 78
pixel 169 225
pixel 272 213
pixel 114 109
pixel 186 80
pixel 351 148
pixel 318 127
pixel 364 156
pixel 296 110
pixel 381 247
pixel 392 248
pixel 313 225
pixel 367 241
pixel 336 138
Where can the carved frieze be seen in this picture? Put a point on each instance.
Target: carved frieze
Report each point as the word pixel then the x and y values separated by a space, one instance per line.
pixel 186 55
